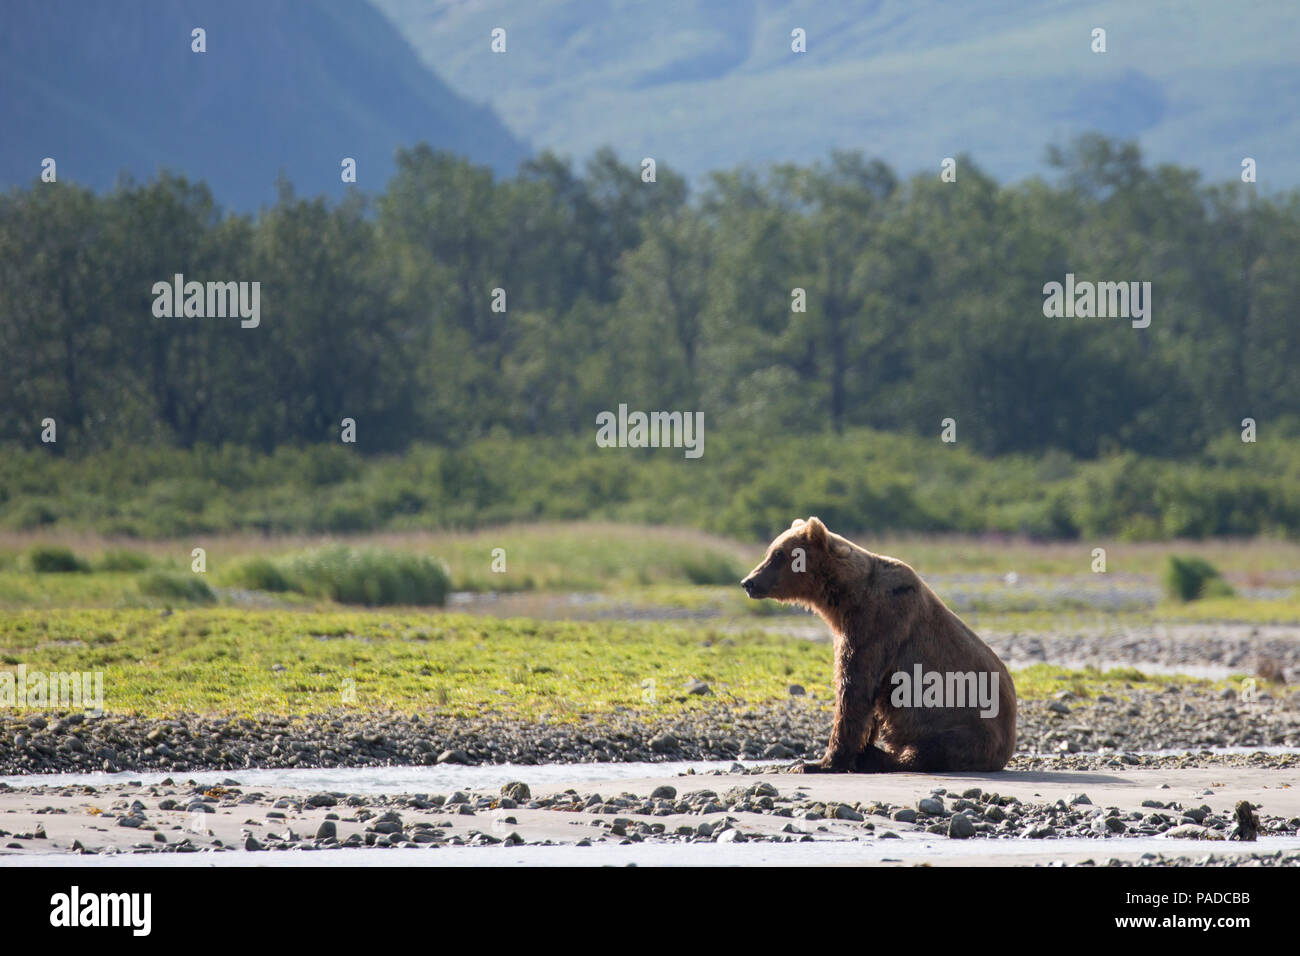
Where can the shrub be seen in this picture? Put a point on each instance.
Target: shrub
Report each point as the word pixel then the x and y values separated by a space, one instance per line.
pixel 259 574
pixel 371 577
pixel 748 486
pixel 1189 579
pixel 122 560
pixel 55 560
pixel 176 586
pixel 711 568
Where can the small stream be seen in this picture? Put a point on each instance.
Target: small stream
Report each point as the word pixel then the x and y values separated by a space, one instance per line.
pixel 436 779
pixel 449 777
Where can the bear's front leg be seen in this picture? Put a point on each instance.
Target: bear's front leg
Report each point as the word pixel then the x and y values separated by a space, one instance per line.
pixel 854 725
pixel 832 761
pixel 826 765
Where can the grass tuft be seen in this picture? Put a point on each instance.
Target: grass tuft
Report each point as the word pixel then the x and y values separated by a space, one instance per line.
pixel 176 586
pixel 122 560
pixel 370 577
pixel 55 560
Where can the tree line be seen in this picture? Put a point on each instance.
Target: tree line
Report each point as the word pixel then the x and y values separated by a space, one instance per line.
pixel 456 305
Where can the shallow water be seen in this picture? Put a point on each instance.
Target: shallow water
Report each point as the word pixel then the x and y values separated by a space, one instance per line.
pixel 834 853
pixel 1150 668
pixel 447 777
pixel 1172 752
pixel 396 779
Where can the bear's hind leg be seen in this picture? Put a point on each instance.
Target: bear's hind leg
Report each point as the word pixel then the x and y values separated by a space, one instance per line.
pixel 874 760
pixel 950 751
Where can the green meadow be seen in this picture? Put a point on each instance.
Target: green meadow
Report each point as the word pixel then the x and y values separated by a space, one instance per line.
pixel 582 618
pixel 242 662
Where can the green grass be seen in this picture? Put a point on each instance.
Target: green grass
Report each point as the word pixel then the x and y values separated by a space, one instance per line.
pixel 20 589
pixel 176 587
pixel 650 569
pixel 1254 560
pixel 566 557
pixel 224 661
pixel 122 559
pixel 262 632
pixel 247 662
pixel 589 557
pixel 590 554
pixel 1238 609
pixel 1045 680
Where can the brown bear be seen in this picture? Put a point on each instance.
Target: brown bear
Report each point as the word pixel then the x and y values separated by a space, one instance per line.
pixel 915 688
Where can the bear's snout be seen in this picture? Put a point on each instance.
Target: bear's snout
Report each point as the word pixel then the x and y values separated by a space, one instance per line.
pixel 750 584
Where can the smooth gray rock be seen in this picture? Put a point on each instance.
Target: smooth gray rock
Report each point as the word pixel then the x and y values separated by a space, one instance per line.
pixel 960 827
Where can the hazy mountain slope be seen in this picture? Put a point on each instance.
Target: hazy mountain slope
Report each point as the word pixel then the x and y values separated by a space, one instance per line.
pixel 292 85
pixel 704 84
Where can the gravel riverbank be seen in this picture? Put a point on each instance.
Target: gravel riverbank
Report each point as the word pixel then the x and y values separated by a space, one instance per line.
pixel 1106 731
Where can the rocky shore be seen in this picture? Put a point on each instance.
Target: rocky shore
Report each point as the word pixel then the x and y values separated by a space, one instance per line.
pixel 723 807
pixel 1107 731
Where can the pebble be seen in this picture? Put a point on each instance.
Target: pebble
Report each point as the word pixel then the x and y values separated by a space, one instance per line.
pixel 517 791
pixel 960 827
pixel 663 743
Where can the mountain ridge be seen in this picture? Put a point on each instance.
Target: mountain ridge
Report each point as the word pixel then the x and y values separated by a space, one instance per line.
pixel 290 87
pixel 703 85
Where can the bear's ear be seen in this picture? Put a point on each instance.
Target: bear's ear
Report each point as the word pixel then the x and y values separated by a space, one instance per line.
pixel 796 523
pixel 816 531
pixel 819 535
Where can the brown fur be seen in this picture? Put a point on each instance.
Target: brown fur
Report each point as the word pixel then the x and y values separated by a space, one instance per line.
pixel 885 619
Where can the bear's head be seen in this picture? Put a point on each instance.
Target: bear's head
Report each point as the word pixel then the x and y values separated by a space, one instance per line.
pixel 799 564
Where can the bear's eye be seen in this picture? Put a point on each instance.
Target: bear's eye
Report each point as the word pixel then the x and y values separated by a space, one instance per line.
pixel 780 555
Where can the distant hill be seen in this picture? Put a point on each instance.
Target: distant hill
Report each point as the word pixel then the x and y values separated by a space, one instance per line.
pixel 707 84
pixel 292 85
